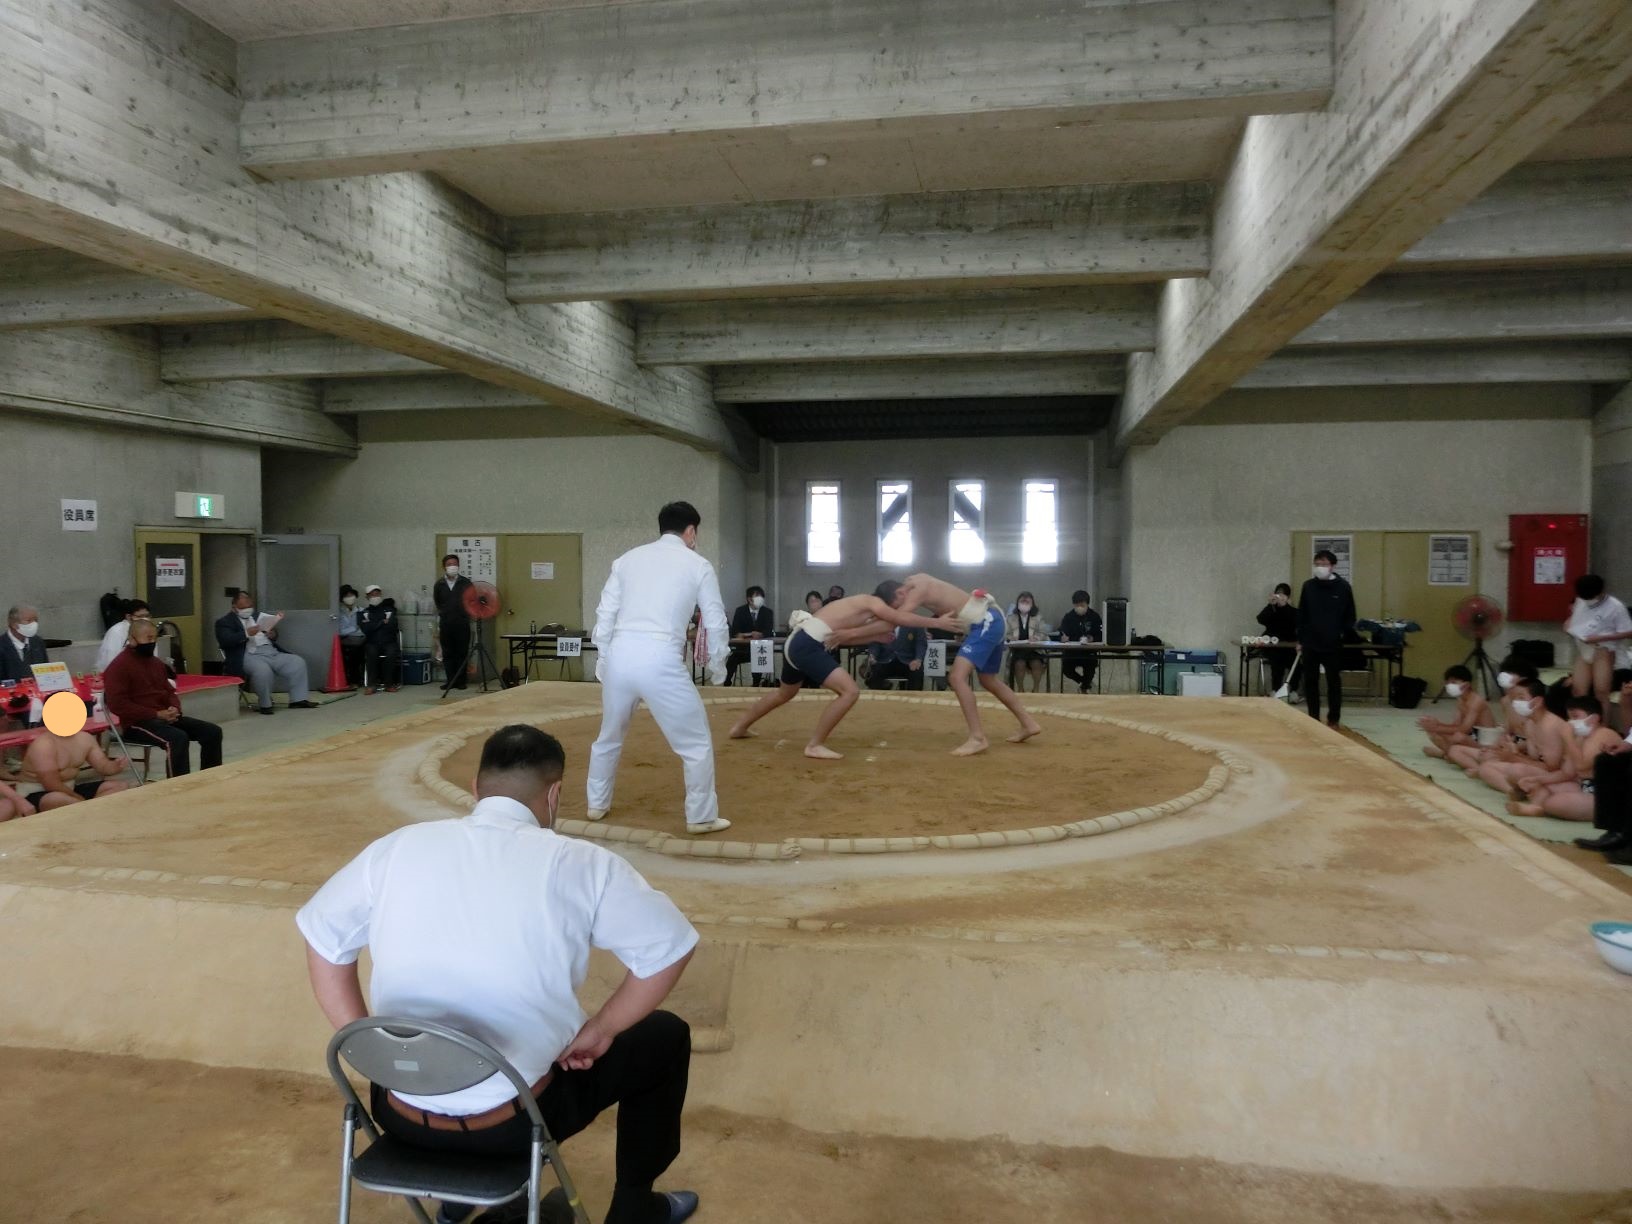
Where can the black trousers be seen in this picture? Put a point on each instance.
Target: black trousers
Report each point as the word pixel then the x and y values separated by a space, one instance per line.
pixel 455 638
pixel 351 658
pixel 1331 662
pixel 1078 670
pixel 1612 792
pixel 1279 661
pixel 885 670
pixel 175 737
pixel 734 660
pixel 382 665
pixel 643 1073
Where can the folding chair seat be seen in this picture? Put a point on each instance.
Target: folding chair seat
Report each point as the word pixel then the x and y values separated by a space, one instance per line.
pixel 420 1058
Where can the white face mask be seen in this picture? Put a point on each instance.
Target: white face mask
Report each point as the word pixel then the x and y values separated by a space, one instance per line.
pixel 1323 571
pixel 452 571
pixel 1506 680
pixel 757 602
pixel 375 601
pixel 1524 708
pixel 246 613
pixel 1454 690
pixel 1025 609
pixel 29 630
pixel 350 601
pixel 1081 609
pixel 1581 726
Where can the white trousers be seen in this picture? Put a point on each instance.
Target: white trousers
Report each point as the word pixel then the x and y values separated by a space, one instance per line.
pixel 649 670
pixel 269 672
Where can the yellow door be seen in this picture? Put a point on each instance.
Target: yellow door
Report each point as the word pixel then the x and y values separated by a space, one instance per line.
pixel 1408 594
pixel 167 578
pixel 541 578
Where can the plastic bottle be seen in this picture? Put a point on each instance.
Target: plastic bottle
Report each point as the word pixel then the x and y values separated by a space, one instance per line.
pixel 36 711
pixel 99 704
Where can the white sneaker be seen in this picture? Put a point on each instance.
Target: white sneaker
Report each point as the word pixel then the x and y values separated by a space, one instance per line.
pixel 597 813
pixel 713 826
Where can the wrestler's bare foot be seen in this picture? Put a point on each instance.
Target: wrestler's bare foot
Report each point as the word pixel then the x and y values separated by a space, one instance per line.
pixel 1437 753
pixel 1472 773
pixel 740 732
pixel 1027 730
pixel 1515 808
pixel 821 752
pixel 974 744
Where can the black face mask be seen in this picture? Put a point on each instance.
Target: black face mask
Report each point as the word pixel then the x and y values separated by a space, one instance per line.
pixel 146 649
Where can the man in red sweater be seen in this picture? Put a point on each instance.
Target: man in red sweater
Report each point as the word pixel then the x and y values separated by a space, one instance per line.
pixel 139 695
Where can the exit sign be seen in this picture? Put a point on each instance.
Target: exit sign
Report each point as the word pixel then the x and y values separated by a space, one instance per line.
pixel 201 505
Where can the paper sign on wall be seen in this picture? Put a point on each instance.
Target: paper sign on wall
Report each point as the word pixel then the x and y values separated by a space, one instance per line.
pixel 569 647
pixel 543 571
pixel 1450 560
pixel 1341 547
pixel 170 571
pixel 761 656
pixel 478 556
pixel 78 515
pixel 1549 566
pixel 935 660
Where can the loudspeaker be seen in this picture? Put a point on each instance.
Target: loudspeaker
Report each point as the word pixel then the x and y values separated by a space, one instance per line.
pixel 1116 621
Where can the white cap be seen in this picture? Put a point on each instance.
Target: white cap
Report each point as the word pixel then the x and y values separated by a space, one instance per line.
pixel 373 586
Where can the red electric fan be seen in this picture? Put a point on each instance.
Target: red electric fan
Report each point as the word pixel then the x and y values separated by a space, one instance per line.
pixel 481 601
pixel 1479 618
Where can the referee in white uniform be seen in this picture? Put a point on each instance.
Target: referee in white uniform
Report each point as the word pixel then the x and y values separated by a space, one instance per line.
pixel 640 636
pixel 485 924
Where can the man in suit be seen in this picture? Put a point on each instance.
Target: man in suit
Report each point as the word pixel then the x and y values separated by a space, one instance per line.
pixel 23 647
pixel 249 651
pixel 453 622
pixel 752 620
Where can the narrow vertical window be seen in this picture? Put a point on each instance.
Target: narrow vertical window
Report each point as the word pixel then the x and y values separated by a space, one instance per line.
pixel 821 523
pixel 895 522
pixel 1040 539
pixel 967 542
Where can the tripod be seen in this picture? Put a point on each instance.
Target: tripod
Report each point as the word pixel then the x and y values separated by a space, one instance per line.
pixel 1478 662
pixel 478 651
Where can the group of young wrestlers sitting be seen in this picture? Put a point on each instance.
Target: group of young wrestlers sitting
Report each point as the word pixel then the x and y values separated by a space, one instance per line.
pixel 1541 762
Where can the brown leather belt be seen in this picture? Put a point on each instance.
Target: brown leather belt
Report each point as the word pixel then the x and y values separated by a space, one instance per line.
pixel 512 1108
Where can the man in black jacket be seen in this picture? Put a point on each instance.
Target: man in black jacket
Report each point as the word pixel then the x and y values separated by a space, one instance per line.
pixel 753 619
pixel 382 642
pixel 22 647
pixel 1325 617
pixel 453 622
pixel 1081 624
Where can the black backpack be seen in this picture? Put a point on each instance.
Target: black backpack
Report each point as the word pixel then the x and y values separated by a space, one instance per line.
pixel 1405 692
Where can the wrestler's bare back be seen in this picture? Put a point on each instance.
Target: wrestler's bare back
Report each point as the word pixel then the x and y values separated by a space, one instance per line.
pixel 928 591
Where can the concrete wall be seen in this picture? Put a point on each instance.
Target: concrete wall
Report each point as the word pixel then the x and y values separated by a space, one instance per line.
pixel 1213 505
pixel 133 476
pixel 1003 463
pixel 389 503
pixel 1612 493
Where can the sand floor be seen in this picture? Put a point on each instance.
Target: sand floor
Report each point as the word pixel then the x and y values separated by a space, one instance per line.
pixel 250 1147
pixel 897 779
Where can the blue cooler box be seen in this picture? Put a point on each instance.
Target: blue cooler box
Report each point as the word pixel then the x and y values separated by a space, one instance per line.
pixel 1177 661
pixel 416 667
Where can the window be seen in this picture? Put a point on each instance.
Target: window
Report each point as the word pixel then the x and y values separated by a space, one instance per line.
pixel 967 542
pixel 821 523
pixel 1040 542
pixel 895 522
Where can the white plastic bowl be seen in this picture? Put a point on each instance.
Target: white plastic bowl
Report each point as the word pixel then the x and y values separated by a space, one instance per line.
pixel 1614 943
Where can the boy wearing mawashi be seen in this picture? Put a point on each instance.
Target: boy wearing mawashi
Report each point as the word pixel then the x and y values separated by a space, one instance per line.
pixel 980 655
pixel 849 621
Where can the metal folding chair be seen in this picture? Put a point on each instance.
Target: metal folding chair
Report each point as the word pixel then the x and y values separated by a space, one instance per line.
pixel 426 1059
pixel 124 751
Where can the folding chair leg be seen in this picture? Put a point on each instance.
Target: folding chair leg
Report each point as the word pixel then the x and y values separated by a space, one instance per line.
pixel 125 752
pixel 579 1215
pixel 348 1138
pixel 535 1170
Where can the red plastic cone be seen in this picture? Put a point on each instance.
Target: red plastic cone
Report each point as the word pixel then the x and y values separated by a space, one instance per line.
pixel 336 682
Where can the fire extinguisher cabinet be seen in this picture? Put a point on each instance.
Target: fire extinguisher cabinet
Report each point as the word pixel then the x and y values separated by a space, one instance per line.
pixel 1549 554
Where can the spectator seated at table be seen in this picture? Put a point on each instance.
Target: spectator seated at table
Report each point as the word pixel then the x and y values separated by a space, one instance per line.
pixel 141 695
pixel 22 647
pixel 1279 619
pixel 752 620
pixel 50 775
pixel 901 658
pixel 1026 625
pixel 1081 625
pixel 249 651
pixel 382 642
pixel 113 641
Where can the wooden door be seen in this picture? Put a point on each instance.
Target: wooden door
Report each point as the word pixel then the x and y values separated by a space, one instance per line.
pixel 167 578
pixel 542 580
pixel 1409 594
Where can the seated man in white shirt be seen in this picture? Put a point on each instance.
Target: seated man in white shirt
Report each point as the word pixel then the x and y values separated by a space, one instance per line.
pixel 485 924
pixel 113 641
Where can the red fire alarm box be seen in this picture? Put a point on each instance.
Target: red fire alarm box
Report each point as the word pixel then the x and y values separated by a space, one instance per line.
pixel 1549 554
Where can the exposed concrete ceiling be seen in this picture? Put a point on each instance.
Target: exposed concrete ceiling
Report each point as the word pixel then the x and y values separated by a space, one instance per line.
pixel 249 20
pixel 16 242
pixel 1604 131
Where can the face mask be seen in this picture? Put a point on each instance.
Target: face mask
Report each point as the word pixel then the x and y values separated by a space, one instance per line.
pixel 757 602
pixel 1506 680
pixel 452 571
pixel 1025 609
pixel 146 649
pixel 246 613
pixel 30 629
pixel 1081 609
pixel 374 601
pixel 350 601
pixel 1323 571
pixel 1523 708
pixel 1455 690
pixel 1581 726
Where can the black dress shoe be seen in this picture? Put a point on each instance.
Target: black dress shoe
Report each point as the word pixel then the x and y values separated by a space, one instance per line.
pixel 681 1205
pixel 1615 839
pixel 265 710
pixel 303 705
pixel 1621 857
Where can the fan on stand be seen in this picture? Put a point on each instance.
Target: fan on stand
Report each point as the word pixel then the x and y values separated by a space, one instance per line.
pixel 1479 618
pixel 481 602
